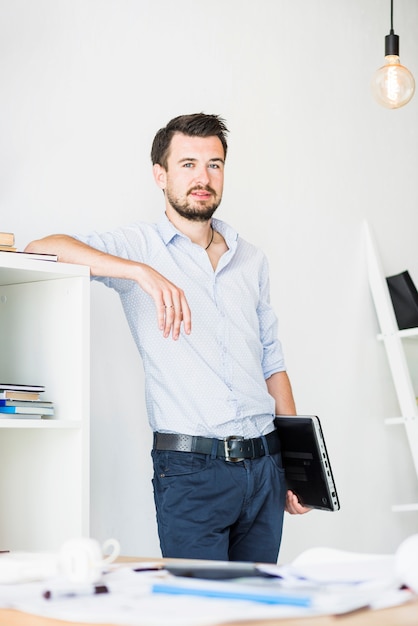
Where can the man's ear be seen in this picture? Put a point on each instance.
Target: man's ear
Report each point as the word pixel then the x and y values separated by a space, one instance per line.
pixel 160 175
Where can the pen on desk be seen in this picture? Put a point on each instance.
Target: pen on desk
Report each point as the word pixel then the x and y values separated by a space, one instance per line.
pixel 52 594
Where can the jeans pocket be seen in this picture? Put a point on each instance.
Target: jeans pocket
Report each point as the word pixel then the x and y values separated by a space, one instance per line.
pixel 169 464
pixel 277 461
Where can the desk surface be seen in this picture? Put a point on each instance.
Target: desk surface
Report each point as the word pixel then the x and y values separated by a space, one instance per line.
pixel 403 615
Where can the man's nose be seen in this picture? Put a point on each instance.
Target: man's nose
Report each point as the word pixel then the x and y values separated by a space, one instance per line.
pixel 202 176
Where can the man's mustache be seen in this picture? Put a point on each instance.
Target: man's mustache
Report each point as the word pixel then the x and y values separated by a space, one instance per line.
pixel 201 188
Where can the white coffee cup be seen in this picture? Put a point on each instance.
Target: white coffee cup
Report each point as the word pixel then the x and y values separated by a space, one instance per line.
pixel 406 563
pixel 83 560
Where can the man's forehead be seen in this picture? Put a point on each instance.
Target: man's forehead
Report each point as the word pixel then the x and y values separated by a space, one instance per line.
pixel 189 146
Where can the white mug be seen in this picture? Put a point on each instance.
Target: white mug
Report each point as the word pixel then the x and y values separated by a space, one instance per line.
pixel 82 560
pixel 406 563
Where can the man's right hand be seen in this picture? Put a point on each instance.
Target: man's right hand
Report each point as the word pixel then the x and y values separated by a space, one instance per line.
pixel 170 302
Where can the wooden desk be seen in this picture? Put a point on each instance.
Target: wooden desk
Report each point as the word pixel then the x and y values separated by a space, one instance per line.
pixel 403 615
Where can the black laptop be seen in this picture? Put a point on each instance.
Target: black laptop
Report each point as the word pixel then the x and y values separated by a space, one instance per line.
pixel 306 462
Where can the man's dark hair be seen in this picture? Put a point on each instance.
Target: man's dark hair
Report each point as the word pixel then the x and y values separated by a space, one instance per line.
pixel 194 125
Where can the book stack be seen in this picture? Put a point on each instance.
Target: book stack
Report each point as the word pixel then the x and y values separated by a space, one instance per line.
pixel 7 242
pixel 24 402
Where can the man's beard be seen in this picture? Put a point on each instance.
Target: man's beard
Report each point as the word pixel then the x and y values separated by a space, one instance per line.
pixel 194 214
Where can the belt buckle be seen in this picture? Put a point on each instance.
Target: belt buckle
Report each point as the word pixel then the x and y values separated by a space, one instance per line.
pixel 227 449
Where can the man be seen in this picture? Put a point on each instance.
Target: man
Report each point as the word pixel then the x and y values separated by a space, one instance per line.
pixel 212 393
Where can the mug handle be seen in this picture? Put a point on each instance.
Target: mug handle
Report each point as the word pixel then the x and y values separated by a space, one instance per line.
pixel 115 547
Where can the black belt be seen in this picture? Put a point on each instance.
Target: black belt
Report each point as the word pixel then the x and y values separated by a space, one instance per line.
pixel 231 448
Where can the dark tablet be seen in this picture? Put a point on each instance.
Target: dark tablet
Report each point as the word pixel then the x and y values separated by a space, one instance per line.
pixel 306 462
pixel 214 570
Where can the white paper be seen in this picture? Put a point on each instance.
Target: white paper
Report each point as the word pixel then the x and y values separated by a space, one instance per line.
pixel 327 565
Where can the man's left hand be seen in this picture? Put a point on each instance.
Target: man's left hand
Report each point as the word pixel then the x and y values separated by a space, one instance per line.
pixel 293 506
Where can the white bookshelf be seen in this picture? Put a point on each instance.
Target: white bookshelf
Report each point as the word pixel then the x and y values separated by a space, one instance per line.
pixel 44 464
pixel 393 340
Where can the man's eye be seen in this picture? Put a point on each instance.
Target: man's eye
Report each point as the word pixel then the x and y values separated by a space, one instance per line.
pixel 214 166
pixel 188 165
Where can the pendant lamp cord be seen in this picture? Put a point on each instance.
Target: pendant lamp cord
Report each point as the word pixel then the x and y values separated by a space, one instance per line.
pixel 391 15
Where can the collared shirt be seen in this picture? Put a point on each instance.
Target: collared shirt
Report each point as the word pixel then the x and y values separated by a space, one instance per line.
pixel 211 382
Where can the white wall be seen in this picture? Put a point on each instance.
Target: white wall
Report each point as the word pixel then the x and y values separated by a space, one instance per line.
pixel 84 85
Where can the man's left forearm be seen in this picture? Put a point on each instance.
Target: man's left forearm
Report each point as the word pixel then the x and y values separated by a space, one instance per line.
pixel 279 387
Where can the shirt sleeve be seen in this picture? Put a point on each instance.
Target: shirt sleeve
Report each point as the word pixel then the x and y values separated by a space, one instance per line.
pixel 117 244
pixel 273 358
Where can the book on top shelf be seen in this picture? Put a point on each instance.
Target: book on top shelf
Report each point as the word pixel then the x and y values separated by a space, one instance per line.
pixel 36 256
pixel 9 394
pixel 7 239
pixel 14 391
pixel 20 387
pixel 7 248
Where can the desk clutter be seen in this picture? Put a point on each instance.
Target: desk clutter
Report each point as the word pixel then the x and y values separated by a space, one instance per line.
pixel 82 583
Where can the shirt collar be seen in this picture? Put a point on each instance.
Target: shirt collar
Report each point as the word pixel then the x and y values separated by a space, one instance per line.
pixel 168 231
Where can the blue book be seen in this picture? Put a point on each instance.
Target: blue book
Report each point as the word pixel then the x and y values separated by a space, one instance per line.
pixel 25 403
pixel 227 592
pixel 38 410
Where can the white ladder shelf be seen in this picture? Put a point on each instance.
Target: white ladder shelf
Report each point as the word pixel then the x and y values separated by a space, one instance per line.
pixel 393 338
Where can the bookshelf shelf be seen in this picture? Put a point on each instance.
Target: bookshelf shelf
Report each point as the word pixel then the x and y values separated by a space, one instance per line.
pixel 44 340
pixel 51 424
pixel 393 339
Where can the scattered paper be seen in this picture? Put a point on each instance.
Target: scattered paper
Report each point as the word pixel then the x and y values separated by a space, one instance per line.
pixel 143 594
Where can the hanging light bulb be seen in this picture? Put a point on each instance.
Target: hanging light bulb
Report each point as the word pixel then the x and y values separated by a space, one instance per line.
pixel 393 84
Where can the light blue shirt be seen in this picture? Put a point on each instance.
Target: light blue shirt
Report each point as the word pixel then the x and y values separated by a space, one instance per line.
pixel 211 382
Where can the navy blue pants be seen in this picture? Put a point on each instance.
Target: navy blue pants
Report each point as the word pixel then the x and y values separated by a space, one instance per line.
pixel 209 508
